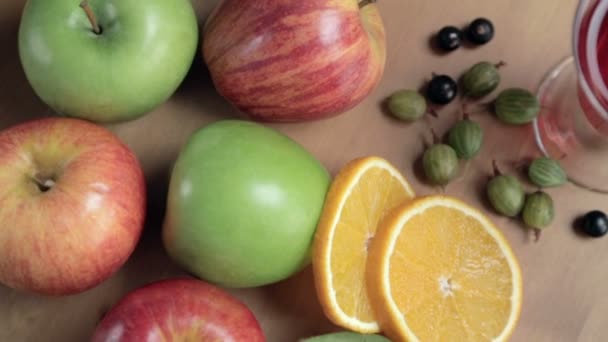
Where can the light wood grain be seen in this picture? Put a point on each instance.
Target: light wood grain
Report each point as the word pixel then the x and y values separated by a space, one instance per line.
pixel 565 275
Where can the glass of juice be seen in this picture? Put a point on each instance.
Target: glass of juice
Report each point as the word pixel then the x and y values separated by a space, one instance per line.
pixel 573 123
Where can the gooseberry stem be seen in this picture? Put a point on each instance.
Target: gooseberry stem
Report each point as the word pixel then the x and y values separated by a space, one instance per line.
pixel 500 64
pixel 485 107
pixel 495 167
pixel 588 188
pixel 465 114
pixel 435 137
pixel 537 234
pixel 521 165
pixel 91 15
pixel 364 3
pixel 463 176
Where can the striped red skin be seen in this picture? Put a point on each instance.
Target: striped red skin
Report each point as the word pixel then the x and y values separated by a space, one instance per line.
pixel 78 233
pixel 179 310
pixel 285 60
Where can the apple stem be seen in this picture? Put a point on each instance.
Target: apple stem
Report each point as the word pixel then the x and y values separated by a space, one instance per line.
pixel 44 183
pixel 364 3
pixel 89 11
pixel 49 183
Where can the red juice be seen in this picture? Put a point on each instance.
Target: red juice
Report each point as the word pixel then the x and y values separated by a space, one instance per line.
pixel 573 123
pixel 602 50
pixel 592 59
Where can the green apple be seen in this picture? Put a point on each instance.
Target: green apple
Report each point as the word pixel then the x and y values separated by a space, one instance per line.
pixel 346 337
pixel 243 205
pixel 107 60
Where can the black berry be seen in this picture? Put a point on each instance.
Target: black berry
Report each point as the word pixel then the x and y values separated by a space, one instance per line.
pixel 595 223
pixel 442 90
pixel 480 31
pixel 449 38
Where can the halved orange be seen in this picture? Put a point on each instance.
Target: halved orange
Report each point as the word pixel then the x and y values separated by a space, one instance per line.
pixel 359 197
pixel 439 270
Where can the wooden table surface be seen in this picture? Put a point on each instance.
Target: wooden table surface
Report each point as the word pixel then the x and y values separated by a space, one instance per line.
pixel 565 275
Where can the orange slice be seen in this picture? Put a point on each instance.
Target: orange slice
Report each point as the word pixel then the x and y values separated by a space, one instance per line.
pixel 359 197
pixel 438 270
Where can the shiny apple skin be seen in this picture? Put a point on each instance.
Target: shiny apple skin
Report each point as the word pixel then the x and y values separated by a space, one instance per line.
pixel 77 234
pixel 137 63
pixel 179 310
pixel 243 205
pixel 284 60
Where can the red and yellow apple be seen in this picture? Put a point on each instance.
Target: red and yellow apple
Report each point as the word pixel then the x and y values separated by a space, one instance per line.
pixel 284 60
pixel 72 205
pixel 179 310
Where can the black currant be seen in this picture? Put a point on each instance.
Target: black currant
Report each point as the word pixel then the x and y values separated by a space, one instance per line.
pixel 595 223
pixel 449 38
pixel 442 90
pixel 480 31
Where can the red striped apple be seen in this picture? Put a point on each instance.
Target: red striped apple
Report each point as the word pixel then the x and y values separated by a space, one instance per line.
pixel 285 60
pixel 72 204
pixel 179 310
